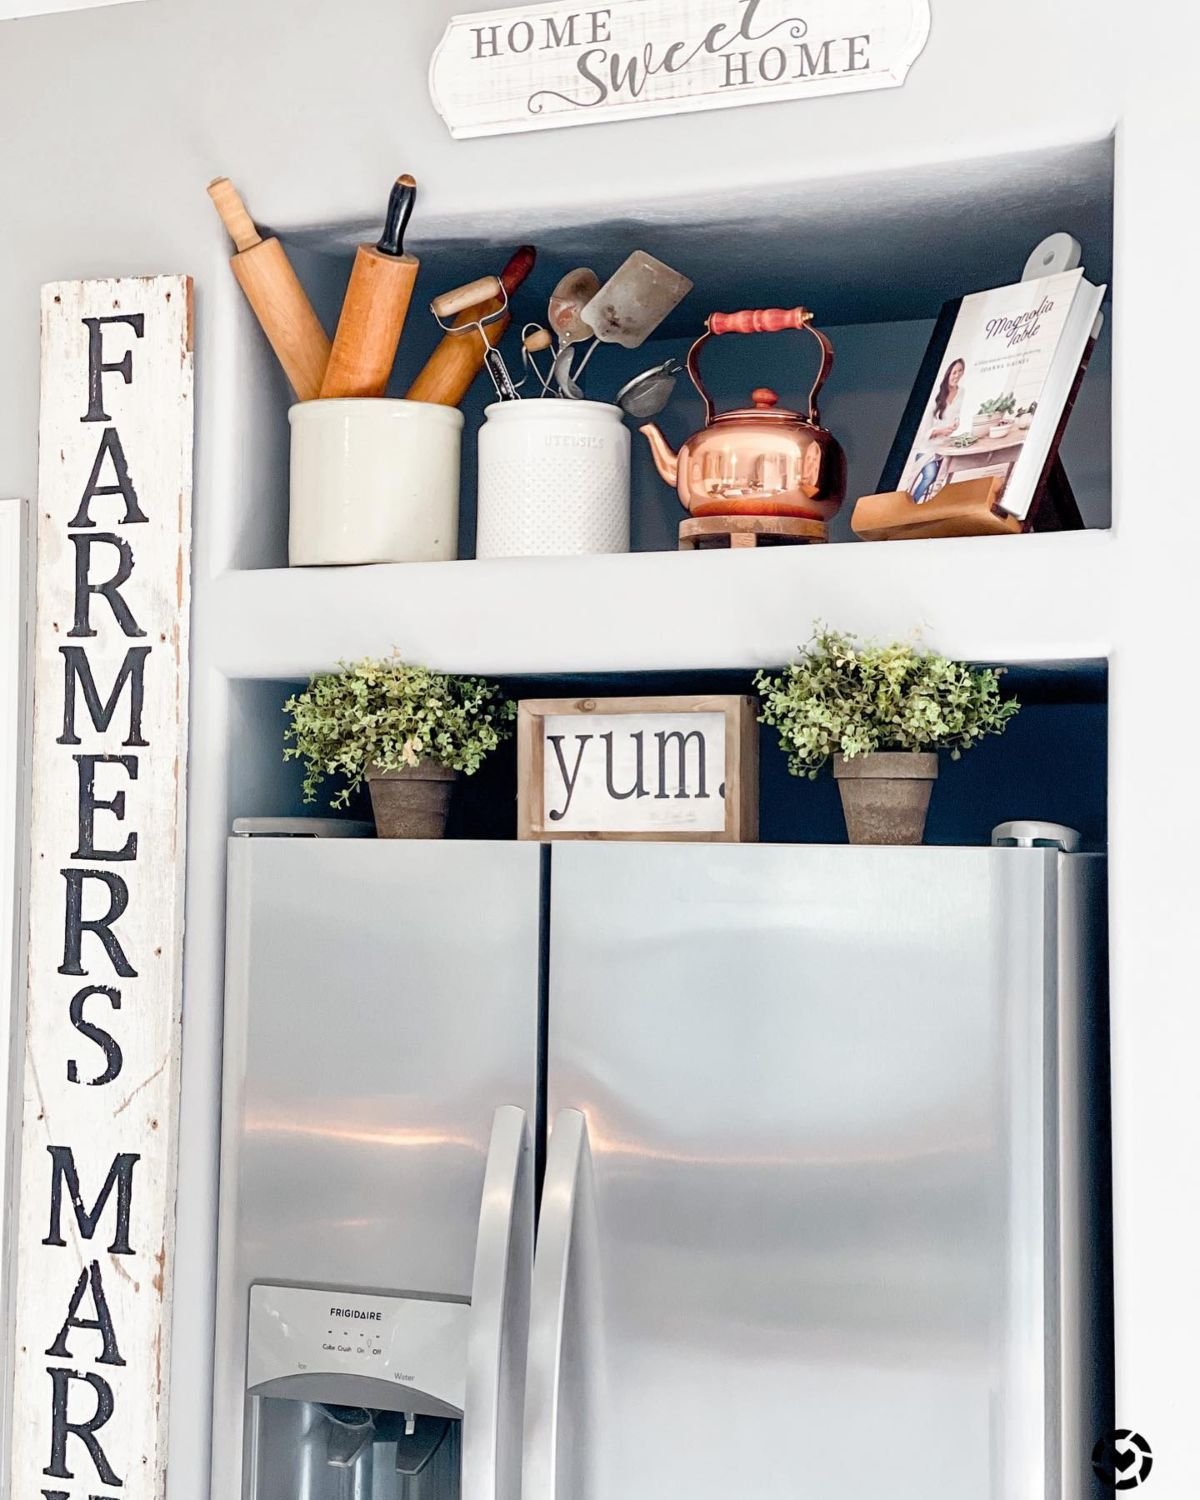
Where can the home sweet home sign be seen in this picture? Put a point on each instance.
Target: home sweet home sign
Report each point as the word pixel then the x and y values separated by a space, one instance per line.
pixel 96 1204
pixel 541 66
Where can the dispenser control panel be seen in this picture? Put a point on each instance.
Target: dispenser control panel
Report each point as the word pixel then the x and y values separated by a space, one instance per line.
pixel 409 1342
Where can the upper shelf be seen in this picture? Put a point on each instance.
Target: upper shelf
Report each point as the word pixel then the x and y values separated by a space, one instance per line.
pixel 874 254
pixel 1013 599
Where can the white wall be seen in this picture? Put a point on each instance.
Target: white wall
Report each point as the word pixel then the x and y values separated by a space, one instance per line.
pixel 114 119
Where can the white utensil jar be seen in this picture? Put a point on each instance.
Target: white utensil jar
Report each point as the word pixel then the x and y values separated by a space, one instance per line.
pixel 374 481
pixel 553 479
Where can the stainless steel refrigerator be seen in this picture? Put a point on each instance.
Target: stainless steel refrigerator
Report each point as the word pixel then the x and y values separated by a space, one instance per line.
pixel 823 1139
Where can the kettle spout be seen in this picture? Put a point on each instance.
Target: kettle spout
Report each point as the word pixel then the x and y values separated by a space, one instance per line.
pixel 666 460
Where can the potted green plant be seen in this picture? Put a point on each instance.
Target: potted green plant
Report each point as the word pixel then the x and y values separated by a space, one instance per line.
pixel 882 713
pixel 406 731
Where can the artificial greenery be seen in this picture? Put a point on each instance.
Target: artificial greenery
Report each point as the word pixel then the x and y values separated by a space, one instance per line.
pixel 850 697
pixel 999 406
pixel 389 714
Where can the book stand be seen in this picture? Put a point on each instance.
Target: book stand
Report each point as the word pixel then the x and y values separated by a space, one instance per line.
pixel 970 507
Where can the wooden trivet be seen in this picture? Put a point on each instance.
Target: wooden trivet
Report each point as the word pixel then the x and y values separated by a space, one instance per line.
pixel 702 532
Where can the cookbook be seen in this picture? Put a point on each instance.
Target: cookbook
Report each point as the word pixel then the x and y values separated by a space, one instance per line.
pixel 995 389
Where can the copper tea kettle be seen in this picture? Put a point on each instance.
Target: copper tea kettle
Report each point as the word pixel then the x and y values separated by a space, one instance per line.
pixel 763 461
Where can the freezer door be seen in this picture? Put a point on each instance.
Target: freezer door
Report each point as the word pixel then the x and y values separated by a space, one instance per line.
pixel 381 1055
pixel 797 1232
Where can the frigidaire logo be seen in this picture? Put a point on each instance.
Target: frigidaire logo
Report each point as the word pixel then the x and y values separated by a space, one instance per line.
pixel 1122 1460
pixel 353 1312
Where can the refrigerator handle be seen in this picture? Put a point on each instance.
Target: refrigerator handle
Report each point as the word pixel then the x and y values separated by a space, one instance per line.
pixel 558 1246
pixel 491 1429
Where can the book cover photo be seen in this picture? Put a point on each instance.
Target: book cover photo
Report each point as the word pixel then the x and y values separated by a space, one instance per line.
pixel 998 358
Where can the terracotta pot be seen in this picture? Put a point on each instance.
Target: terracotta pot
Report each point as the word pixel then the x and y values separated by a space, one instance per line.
pixel 411 803
pixel 885 796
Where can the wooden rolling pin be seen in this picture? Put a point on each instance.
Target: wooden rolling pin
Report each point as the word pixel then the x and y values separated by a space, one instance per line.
pixel 375 307
pixel 273 290
pixel 456 361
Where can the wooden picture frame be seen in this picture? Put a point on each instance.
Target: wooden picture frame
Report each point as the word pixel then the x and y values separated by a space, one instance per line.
pixel 652 759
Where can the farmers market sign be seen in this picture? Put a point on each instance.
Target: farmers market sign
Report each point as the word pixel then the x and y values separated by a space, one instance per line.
pixel 95 1212
pixel 536 67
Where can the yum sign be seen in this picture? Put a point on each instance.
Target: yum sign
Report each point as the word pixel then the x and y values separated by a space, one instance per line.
pixel 638 768
pixel 533 68
pixel 96 1204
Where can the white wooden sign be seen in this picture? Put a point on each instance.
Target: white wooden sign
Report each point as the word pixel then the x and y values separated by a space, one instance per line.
pixel 14 643
pixel 638 768
pixel 11 9
pixel 96 1205
pixel 540 66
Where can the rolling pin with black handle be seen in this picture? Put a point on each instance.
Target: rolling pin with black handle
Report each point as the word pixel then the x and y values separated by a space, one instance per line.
pixel 375 306
pixel 458 359
pixel 273 290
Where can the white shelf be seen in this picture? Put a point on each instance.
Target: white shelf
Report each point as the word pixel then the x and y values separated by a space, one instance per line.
pixel 1017 599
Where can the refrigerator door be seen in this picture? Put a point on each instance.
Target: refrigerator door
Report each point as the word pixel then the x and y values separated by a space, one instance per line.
pixel 798 1229
pixel 380 1096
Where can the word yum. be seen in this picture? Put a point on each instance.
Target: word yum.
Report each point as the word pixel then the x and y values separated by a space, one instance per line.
pixel 676 768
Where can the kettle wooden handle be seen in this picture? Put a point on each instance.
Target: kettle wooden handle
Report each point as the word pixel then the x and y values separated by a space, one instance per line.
pixel 759 320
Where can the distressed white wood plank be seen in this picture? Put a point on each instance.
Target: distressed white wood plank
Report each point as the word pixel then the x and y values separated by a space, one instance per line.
pixel 106 890
pixel 539 67
pixel 14 608
pixel 10 10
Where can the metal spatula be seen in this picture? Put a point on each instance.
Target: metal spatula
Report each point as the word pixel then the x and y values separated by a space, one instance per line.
pixel 632 303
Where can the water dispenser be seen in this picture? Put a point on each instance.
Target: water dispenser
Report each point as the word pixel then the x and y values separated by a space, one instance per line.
pixel 354 1397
